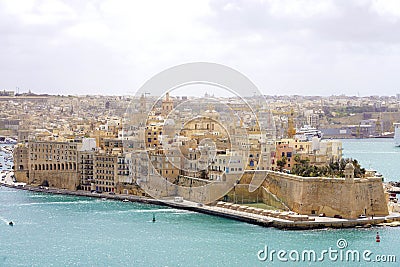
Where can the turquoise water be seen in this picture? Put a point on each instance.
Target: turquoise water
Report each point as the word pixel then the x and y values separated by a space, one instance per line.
pixel 54 230
pixel 377 154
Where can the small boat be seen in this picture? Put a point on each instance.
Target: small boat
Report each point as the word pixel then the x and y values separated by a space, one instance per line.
pixel 11 223
pixel 396 134
pixel 125 200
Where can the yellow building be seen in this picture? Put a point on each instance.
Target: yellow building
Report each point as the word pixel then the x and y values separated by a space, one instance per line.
pixel 105 170
pixel 52 163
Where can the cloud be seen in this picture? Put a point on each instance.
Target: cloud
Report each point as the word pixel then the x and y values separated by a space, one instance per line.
pixel 39 12
pixel 387 8
pixel 286 47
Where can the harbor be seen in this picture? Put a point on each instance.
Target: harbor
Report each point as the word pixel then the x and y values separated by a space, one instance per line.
pixel 240 212
pixel 6 163
pixel 105 221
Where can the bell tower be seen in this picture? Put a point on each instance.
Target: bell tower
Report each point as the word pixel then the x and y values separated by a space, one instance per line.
pixel 167 105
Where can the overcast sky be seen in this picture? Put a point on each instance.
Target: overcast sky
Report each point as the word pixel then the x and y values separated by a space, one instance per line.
pixel 284 47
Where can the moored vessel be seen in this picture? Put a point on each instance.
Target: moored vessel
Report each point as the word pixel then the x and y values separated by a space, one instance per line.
pixel 397 134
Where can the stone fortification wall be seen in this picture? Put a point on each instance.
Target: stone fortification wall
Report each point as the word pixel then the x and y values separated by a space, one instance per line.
pixel 332 196
pixel 59 179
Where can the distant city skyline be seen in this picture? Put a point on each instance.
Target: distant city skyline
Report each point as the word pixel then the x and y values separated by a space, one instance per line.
pixel 285 47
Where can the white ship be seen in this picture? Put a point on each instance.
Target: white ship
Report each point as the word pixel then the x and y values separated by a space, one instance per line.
pixel 397 134
pixel 307 133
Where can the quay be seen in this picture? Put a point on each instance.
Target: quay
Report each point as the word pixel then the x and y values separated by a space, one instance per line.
pixel 264 218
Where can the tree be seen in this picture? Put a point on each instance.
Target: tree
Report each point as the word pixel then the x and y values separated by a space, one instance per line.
pixel 297 158
pixel 281 163
pixel 333 169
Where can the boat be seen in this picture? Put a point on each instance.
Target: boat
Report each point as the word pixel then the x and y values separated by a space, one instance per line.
pixel 385 135
pixel 396 134
pixel 307 133
pixel 7 140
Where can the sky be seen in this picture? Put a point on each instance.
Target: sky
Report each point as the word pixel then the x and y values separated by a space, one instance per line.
pixel 285 47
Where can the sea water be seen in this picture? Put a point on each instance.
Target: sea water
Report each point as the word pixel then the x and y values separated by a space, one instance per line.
pixel 378 154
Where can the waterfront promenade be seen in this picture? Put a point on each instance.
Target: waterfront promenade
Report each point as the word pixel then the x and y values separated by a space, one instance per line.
pixel 280 222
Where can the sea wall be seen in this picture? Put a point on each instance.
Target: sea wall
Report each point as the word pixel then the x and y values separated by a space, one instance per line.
pixel 332 196
pixel 59 179
pixel 21 176
pixel 240 195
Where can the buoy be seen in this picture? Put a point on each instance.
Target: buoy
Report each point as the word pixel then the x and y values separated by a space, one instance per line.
pixel 11 223
pixel 154 217
pixel 378 238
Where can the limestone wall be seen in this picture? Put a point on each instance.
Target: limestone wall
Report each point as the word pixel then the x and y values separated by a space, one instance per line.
pixel 131 189
pixel 60 179
pixel 241 195
pixel 271 200
pixel 21 176
pixel 332 196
